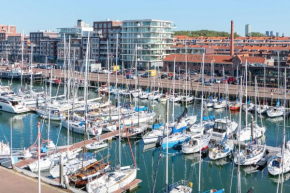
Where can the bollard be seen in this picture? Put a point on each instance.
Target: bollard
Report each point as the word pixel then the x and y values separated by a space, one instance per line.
pixel 66 181
pixel 61 169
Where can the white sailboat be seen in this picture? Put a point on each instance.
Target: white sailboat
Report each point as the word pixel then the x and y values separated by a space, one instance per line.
pixel 115 180
pixel 222 150
pixel 196 144
pixel 280 163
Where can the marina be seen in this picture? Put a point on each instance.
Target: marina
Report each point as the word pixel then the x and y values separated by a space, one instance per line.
pixel 138 147
pixel 138 106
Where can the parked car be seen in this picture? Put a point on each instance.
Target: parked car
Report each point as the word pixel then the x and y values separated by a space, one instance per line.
pixel 145 75
pixel 163 76
pixel 206 83
pixel 130 76
pixel 199 80
pixel 177 77
pixel 236 82
pixel 212 80
pixel 231 80
pixel 193 72
pixel 118 72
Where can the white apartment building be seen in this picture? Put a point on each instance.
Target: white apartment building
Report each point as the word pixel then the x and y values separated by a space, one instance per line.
pixel 146 40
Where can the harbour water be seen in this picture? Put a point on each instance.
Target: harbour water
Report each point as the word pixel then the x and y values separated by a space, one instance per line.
pixel 215 174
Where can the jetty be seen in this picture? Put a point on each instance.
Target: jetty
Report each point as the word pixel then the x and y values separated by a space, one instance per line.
pixel 106 136
pixel 268 93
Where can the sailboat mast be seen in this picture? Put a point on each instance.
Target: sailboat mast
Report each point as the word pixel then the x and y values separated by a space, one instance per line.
pixel 186 77
pixel 284 134
pixel 21 67
pixel 136 55
pixel 116 60
pixel 239 143
pixel 173 92
pixel 246 92
pixel 108 67
pixel 68 95
pixel 48 129
pixel 119 122
pixel 31 55
pixel 201 119
pixel 167 125
pixel 86 95
pixel 256 93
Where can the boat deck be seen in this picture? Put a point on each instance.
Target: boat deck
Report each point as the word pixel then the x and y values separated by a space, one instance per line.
pixel 130 187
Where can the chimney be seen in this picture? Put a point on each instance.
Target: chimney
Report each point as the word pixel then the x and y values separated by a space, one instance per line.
pixel 232 52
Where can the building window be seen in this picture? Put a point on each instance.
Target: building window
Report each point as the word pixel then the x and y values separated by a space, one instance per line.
pixel 109 25
pixel 105 25
pixel 100 25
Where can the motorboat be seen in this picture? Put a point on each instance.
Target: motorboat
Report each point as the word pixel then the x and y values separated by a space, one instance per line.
pixel 13 104
pixel 223 127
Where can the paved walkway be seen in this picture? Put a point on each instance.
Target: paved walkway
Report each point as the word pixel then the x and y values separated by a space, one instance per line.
pixel 14 182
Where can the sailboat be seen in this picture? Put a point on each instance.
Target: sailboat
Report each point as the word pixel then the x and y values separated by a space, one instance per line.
pixel 156 134
pixel 196 144
pixel 114 180
pixel 252 153
pixel 220 104
pixel 262 108
pixel 276 111
pixel 252 130
pixel 222 150
pixel 280 163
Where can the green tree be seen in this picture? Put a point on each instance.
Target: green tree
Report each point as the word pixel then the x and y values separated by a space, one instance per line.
pixel 256 34
pixel 205 33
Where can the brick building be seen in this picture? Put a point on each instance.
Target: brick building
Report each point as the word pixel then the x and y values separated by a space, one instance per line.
pixel 218 63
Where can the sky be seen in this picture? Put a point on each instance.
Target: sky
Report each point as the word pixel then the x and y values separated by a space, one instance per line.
pixel 263 15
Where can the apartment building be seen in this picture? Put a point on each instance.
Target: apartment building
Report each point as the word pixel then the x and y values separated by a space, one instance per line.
pixel 11 44
pixel 219 63
pixel 148 41
pixel 110 34
pixel 44 46
pixel 70 38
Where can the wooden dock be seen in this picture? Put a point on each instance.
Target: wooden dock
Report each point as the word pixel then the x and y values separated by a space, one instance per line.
pixel 106 136
pixel 165 84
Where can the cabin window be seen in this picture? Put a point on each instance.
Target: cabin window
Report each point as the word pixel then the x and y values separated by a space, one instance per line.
pixel 14 103
pixel 3 101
